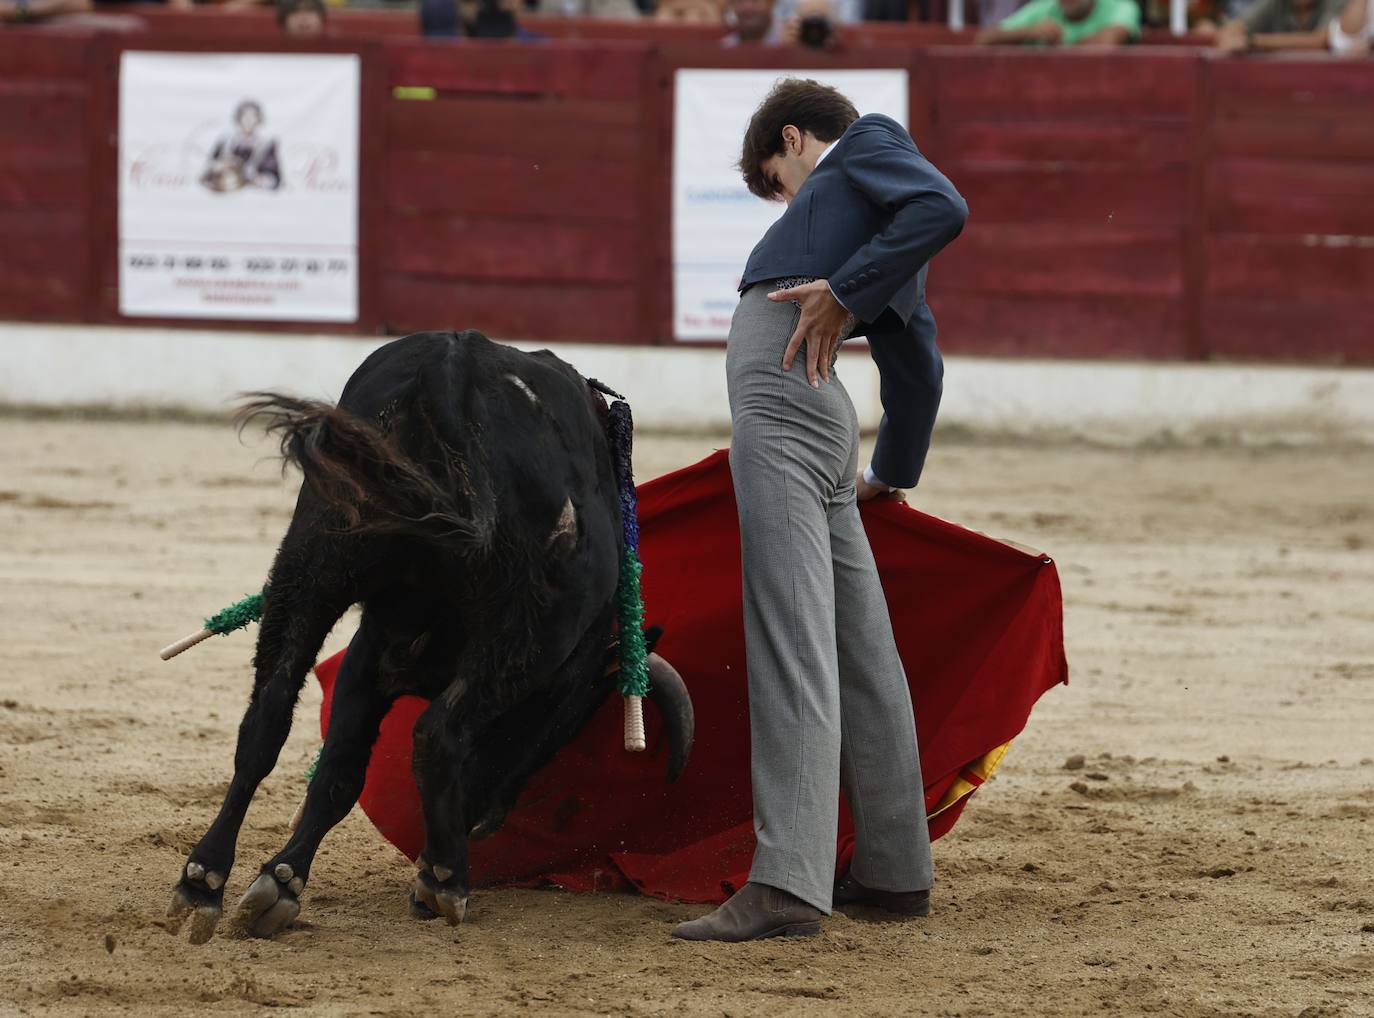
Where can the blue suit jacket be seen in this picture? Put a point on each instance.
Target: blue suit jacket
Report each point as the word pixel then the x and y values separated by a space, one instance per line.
pixel 868 219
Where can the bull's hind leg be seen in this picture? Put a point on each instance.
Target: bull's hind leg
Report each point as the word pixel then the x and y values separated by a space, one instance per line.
pixel 294 626
pixel 359 705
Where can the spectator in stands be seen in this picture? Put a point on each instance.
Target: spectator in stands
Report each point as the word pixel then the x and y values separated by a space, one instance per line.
pixel 589 8
pixel 689 12
pixel 492 19
pixel 1067 23
pixel 840 12
pixel 475 19
pixel 1203 15
pixel 992 13
pixel 815 23
pixel 1269 25
pixel 301 19
pixel 439 19
pixel 753 23
pixel 893 10
pixel 1352 32
pixel 17 12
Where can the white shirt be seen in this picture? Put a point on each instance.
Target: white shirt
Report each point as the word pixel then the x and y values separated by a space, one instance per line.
pixel 820 159
pixel 1343 43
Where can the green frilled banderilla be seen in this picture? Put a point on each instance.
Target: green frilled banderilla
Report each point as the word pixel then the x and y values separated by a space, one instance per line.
pixel 223 622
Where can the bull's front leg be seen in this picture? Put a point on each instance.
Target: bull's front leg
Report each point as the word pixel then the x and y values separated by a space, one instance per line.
pixel 293 628
pixel 526 737
pixel 441 741
pixel 359 705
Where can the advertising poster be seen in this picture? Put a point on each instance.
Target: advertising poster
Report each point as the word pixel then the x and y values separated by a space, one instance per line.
pixel 238 186
pixel 716 221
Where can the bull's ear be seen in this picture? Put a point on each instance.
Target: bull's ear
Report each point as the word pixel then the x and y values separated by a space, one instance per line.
pixel 651 637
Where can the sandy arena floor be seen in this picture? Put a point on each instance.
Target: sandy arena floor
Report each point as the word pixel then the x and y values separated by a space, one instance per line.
pixel 1212 856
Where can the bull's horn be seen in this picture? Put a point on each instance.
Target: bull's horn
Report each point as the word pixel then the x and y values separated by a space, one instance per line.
pixel 674 703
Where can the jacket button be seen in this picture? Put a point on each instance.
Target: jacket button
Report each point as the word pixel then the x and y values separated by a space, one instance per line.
pixel 846 287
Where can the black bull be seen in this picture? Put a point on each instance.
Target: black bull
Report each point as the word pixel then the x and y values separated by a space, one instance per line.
pixel 463 492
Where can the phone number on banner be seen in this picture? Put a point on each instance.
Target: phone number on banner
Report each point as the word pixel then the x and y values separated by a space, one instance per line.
pixel 261 265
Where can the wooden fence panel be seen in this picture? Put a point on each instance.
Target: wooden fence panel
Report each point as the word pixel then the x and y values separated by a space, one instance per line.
pixel 1289 244
pixel 516 198
pixel 481 247
pixel 1058 142
pixel 1078 174
pixel 574 129
pixel 1291 196
pixel 604 70
pixel 1027 260
pixel 44 176
pixel 1077 325
pixel 1013 85
pixel 609 314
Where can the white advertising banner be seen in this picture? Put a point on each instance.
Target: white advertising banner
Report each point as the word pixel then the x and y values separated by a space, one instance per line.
pixel 716 221
pixel 238 186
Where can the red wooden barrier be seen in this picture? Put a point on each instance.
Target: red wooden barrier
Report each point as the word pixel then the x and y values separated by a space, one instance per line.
pixel 44 192
pixel 1289 241
pixel 516 198
pixel 1077 174
pixel 1146 204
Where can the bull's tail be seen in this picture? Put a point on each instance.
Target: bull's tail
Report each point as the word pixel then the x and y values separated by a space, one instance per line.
pixel 360 473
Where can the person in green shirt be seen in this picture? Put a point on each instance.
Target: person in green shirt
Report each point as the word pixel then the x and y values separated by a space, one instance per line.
pixel 1067 23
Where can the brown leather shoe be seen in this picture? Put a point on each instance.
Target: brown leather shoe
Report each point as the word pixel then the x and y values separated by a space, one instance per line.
pixel 755 912
pixel 848 891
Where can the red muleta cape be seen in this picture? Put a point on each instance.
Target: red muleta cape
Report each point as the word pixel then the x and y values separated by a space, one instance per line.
pixel 979 627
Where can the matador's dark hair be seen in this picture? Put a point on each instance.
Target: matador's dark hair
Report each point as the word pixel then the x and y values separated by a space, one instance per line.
pixel 805 104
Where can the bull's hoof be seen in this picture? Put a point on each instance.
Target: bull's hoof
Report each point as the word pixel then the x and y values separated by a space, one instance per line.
pixel 437 896
pixel 199 895
pixel 419 910
pixel 271 904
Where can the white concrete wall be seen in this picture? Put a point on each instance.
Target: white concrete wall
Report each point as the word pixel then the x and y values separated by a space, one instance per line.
pixel 1131 402
pixel 683 388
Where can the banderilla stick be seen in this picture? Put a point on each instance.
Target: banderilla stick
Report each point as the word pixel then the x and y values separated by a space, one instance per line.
pixel 185 643
pixel 635 741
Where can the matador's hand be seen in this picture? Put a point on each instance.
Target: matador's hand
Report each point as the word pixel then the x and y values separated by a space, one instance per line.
pixel 822 318
pixel 868 491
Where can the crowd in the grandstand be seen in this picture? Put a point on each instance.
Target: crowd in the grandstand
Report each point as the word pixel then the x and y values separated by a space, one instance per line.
pixel 1345 27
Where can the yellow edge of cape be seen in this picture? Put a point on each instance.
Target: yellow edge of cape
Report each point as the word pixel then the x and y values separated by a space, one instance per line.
pixel 970 778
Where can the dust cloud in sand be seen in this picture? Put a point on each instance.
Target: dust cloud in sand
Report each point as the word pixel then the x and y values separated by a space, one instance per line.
pixel 1184 829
